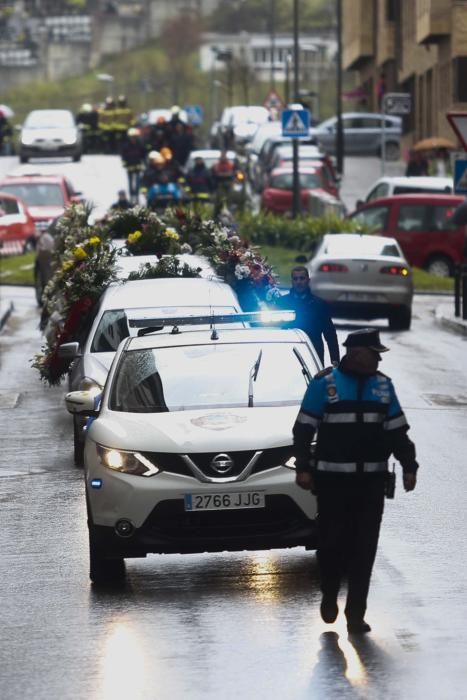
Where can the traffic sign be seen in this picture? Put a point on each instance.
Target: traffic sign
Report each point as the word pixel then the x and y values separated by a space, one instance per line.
pixel 295 123
pixel 273 101
pixel 397 103
pixel 195 114
pixel 458 122
pixel 460 176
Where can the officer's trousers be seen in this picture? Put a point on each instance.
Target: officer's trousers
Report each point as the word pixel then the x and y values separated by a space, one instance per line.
pixel 350 509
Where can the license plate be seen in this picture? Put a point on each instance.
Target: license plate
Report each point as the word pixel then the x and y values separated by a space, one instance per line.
pixel 361 296
pixel 224 501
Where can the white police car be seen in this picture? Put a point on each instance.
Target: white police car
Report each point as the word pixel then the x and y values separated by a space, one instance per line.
pixel 190 448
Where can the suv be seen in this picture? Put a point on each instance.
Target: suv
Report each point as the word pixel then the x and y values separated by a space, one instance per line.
pixel 387 186
pixel 422 225
pixel 190 449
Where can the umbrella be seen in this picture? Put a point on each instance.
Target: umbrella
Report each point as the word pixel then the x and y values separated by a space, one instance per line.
pixel 433 143
pixel 7 111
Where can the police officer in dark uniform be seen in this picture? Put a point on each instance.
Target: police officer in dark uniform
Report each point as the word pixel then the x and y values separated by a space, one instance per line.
pixel 359 423
pixel 311 314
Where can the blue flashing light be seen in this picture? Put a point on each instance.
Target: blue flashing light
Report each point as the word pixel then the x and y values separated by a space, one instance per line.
pixel 96 483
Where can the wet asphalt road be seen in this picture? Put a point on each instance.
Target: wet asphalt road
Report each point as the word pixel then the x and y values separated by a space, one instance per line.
pixel 230 625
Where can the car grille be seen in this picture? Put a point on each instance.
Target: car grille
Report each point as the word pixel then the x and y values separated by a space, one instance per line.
pixel 169 518
pixel 178 464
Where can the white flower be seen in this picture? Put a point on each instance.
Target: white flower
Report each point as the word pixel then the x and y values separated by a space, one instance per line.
pixel 219 235
pixel 272 294
pixel 186 248
pixel 242 272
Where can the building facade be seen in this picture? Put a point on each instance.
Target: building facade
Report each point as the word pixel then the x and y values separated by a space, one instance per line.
pixel 413 46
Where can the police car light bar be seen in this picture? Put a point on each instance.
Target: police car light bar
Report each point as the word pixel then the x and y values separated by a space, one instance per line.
pixel 264 318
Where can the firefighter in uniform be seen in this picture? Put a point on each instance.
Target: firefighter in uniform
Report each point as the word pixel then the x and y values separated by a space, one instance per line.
pixel 133 158
pixel 356 414
pixel 123 120
pixel 107 125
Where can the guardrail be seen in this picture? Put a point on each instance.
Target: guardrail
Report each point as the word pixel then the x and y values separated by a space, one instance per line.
pixel 460 291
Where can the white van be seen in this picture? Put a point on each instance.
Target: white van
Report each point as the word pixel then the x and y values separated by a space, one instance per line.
pixel 387 186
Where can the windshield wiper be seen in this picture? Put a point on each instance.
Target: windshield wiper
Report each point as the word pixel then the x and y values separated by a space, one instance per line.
pixel 253 374
pixel 305 371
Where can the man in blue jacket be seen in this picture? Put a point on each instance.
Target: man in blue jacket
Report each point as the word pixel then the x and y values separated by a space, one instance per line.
pixel 311 314
pixel 359 423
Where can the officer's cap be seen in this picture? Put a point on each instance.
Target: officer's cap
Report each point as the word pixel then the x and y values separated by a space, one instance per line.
pixel 365 338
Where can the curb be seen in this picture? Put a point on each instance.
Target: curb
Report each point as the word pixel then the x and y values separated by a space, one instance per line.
pixel 451 324
pixel 5 315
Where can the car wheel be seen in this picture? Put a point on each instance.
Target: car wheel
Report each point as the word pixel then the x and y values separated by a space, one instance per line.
pixel 400 319
pixel 439 266
pixel 23 158
pixel 104 570
pixel 78 442
pixel 77 157
pixel 392 151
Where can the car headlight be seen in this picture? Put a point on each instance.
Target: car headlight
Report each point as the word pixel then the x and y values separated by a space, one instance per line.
pixel 27 140
pixel 126 462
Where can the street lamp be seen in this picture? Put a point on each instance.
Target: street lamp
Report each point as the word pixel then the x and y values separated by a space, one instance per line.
pixel 295 179
pixel 339 128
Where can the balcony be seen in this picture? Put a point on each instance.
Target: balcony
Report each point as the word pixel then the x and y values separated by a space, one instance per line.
pixel 358 33
pixel 433 21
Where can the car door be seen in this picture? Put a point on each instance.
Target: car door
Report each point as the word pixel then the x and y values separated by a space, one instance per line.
pixel 369 136
pixel 412 224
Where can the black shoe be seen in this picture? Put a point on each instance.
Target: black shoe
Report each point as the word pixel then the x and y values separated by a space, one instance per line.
pixel 358 627
pixel 329 609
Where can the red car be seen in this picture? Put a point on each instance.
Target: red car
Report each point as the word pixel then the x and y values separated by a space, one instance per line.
pixel 277 196
pixel 17 229
pixel 422 225
pixel 46 196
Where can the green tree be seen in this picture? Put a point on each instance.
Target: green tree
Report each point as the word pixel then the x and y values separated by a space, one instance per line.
pixel 255 15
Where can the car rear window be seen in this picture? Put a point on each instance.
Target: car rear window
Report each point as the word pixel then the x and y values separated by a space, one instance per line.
pixel 35 194
pixel 364 245
pixel 284 181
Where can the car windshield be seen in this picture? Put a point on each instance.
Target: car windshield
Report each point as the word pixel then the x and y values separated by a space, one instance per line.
pixel 367 246
pixel 113 326
pixel 208 376
pixel 49 119
pixel 35 194
pixel 284 181
pixel 8 206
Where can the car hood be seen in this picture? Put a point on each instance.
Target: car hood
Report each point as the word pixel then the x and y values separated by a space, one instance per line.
pixel 45 212
pixel 208 430
pixel 49 133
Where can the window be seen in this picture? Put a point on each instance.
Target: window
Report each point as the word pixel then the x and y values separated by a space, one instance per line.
pixel 412 217
pixel 460 84
pixel 381 190
pixel 441 219
pixel 284 181
pixel 374 218
pixel 9 206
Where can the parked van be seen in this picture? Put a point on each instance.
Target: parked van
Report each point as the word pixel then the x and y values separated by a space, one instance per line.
pixel 387 186
pixel 422 225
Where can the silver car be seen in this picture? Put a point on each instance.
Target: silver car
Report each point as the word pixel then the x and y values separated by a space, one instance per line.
pixel 363 276
pixel 50 133
pixel 363 134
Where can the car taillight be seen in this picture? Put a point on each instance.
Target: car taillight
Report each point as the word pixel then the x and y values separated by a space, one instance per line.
pixel 395 270
pixel 333 267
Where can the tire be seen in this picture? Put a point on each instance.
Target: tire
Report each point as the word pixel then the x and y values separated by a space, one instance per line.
pixel 76 157
pixel 23 158
pixel 392 151
pixel 78 443
pixel 401 319
pixel 440 266
pixel 104 570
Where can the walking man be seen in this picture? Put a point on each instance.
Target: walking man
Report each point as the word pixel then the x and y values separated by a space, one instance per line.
pixel 356 414
pixel 311 314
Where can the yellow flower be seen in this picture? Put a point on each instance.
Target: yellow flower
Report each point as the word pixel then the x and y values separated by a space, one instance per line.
pixel 95 240
pixel 171 233
pixel 79 253
pixel 135 236
pixel 67 265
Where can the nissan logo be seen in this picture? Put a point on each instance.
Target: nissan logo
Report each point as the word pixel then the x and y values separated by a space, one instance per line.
pixel 222 463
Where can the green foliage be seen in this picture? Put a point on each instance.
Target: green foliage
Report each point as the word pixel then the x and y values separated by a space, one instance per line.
pixel 298 234
pixel 255 15
pixel 166 267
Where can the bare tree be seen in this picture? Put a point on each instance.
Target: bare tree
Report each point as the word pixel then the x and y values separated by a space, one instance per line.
pixel 179 39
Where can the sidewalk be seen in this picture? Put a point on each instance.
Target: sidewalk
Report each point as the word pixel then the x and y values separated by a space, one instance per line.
pixel 444 315
pixel 6 307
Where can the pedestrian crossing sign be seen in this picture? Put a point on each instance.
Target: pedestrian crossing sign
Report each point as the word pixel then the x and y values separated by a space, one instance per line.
pixel 460 176
pixel 295 123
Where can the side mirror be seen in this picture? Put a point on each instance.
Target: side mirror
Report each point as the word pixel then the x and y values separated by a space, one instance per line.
pixel 68 351
pixel 82 403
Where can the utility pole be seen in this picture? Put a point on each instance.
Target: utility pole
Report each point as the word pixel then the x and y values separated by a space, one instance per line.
pixel 339 128
pixel 296 98
pixel 272 12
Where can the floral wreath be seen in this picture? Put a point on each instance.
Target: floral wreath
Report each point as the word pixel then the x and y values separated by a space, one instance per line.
pixel 86 261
